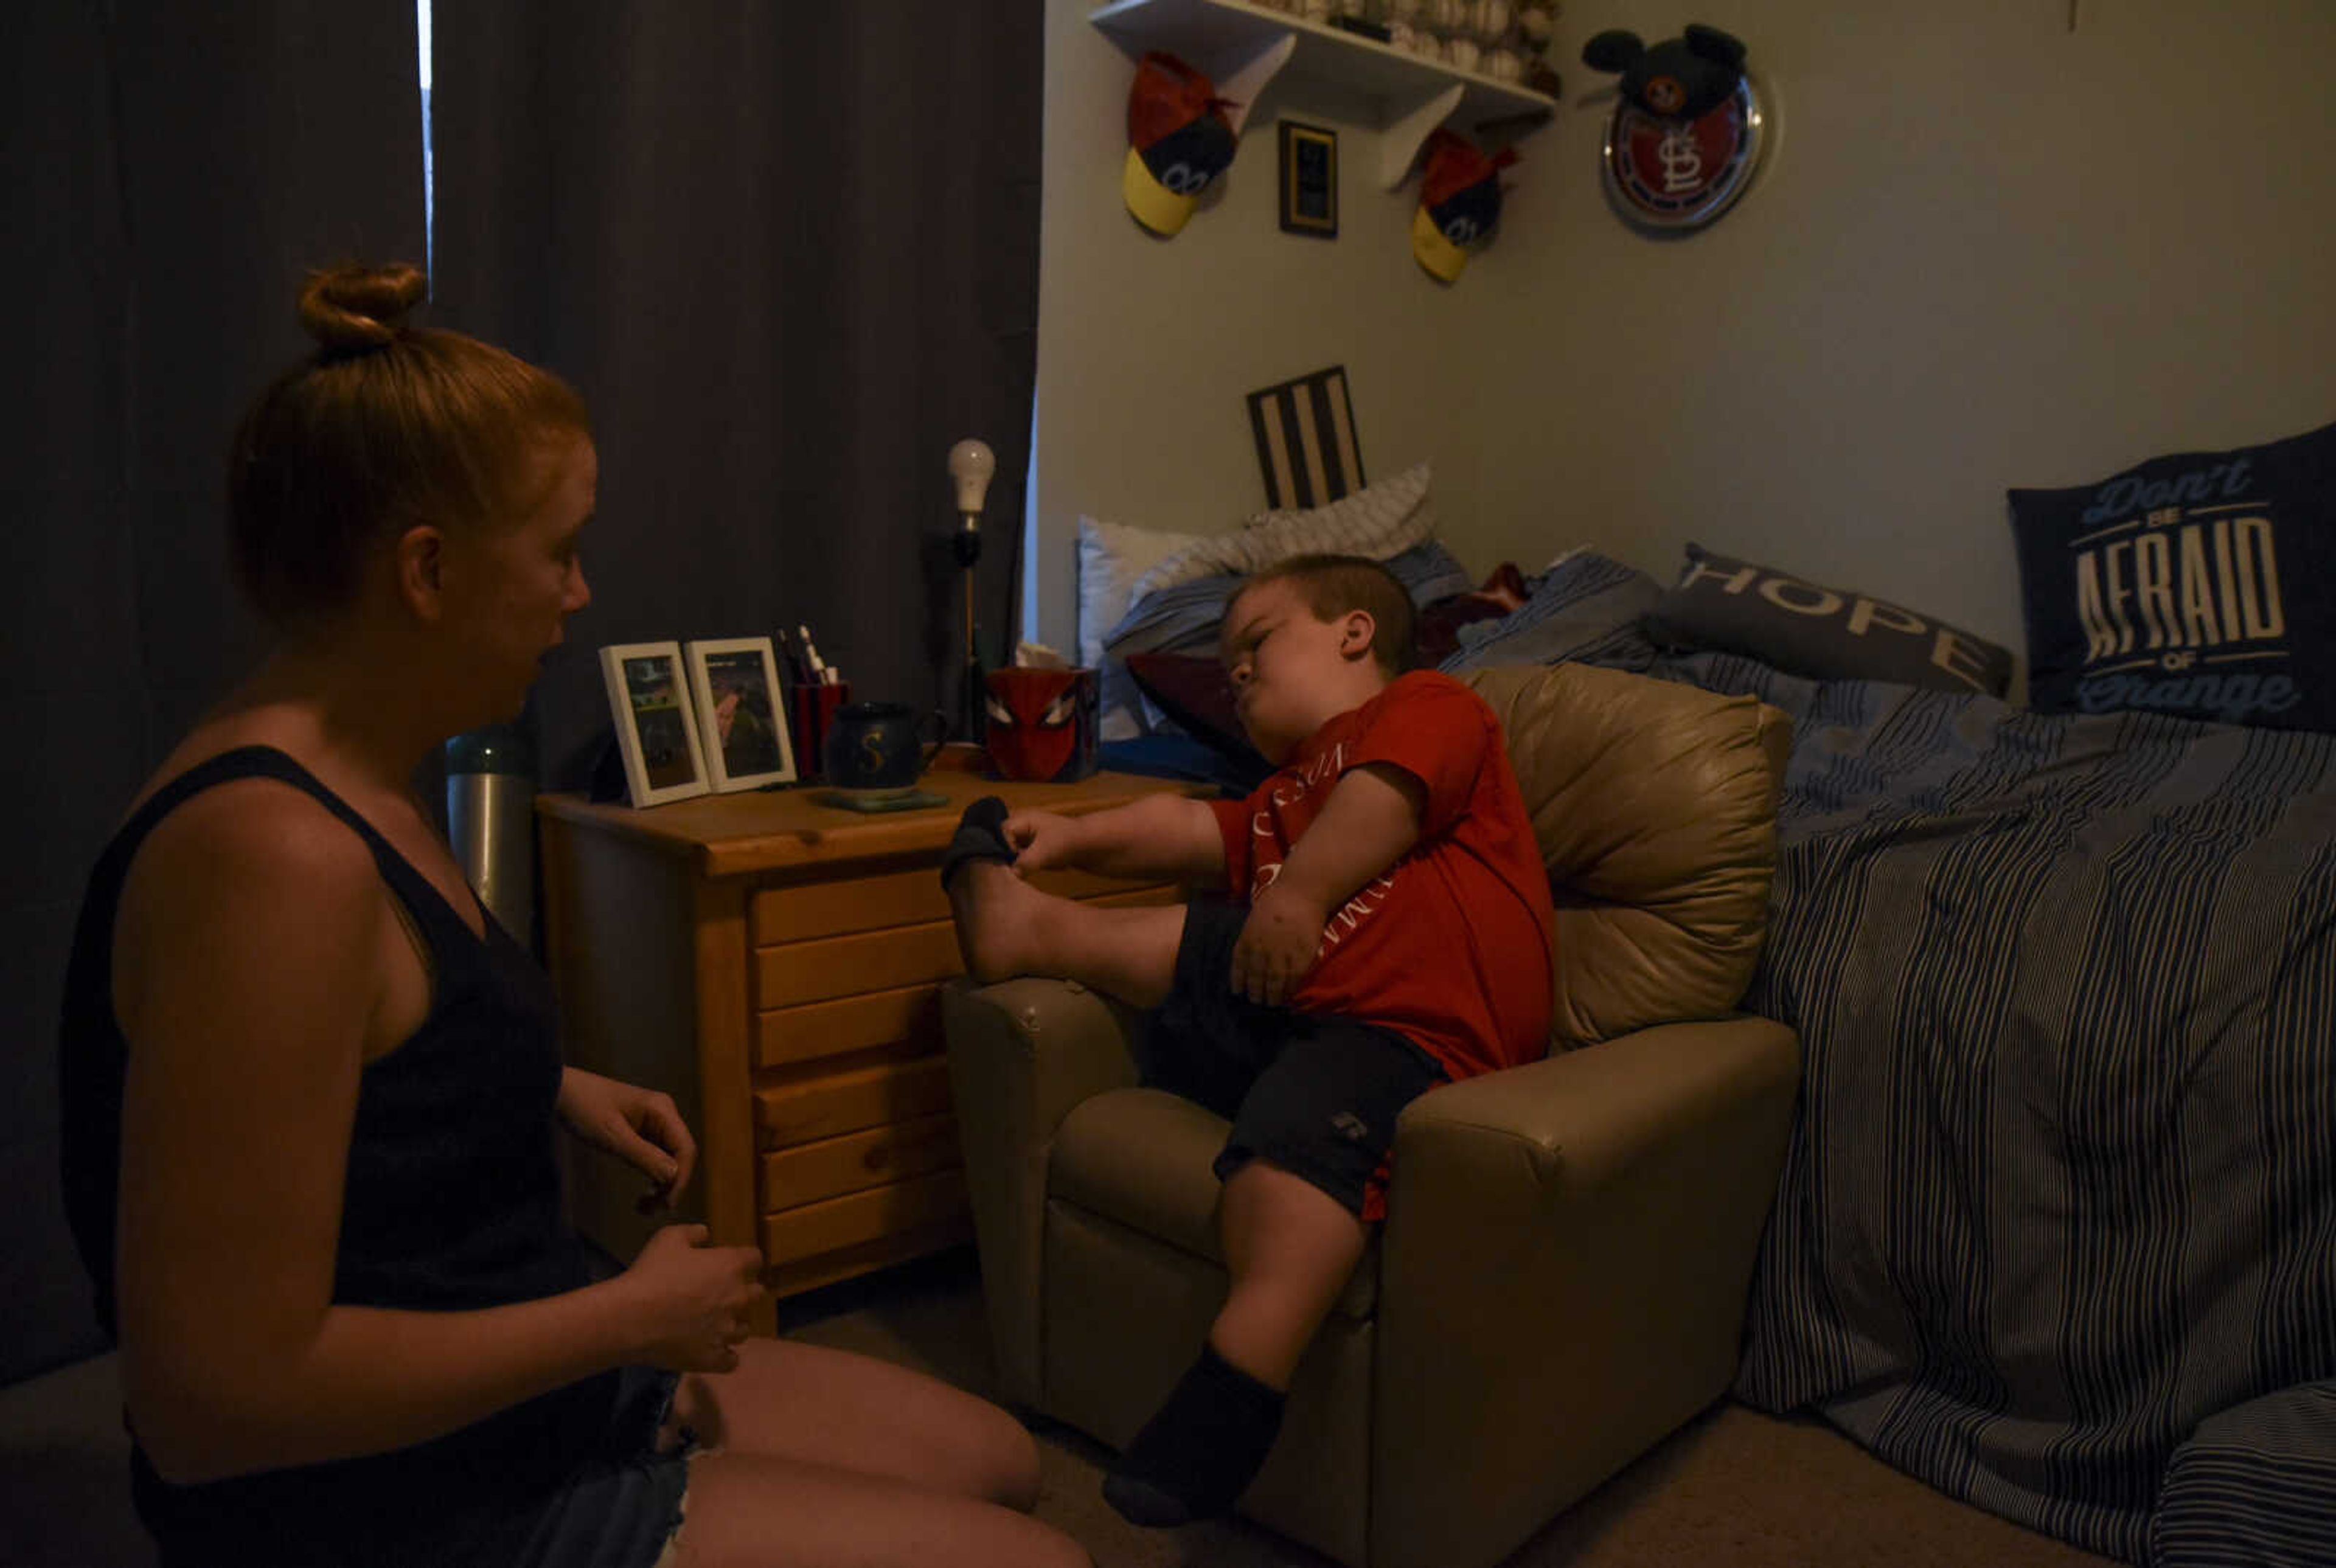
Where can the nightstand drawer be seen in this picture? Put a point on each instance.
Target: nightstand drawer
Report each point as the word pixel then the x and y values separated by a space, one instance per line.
pixel 791 1234
pixel 814 971
pixel 800 911
pixel 832 967
pixel 807 1173
pixel 786 1113
pixel 833 1029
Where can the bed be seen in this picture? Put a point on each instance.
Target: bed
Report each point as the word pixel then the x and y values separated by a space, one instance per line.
pixel 2056 1234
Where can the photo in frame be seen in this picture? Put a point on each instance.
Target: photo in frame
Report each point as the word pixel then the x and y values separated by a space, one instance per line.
pixel 648 699
pixel 1309 179
pixel 742 716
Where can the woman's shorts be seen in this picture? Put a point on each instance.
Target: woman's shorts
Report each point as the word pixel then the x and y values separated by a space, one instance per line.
pixel 1317 1097
pixel 622 1508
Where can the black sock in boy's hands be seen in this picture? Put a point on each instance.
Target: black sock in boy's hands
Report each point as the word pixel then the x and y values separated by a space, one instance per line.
pixel 980 836
pixel 1200 1450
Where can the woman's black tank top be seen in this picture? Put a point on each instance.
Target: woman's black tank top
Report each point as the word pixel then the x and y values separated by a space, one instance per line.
pixel 453 1201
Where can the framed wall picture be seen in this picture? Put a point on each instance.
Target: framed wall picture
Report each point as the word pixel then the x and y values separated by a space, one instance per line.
pixel 648 697
pixel 1309 179
pixel 742 716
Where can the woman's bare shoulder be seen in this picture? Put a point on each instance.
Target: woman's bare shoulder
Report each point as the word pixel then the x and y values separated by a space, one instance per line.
pixel 249 931
pixel 250 846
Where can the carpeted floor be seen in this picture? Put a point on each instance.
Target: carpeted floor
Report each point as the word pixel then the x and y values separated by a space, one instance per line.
pixel 1733 1489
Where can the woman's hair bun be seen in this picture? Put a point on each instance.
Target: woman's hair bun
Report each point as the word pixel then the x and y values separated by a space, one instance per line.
pixel 350 308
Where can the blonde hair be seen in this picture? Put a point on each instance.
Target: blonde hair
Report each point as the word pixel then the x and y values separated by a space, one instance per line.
pixel 383 426
pixel 1333 585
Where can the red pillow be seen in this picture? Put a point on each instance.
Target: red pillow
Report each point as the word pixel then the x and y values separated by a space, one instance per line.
pixel 1435 633
pixel 1193 690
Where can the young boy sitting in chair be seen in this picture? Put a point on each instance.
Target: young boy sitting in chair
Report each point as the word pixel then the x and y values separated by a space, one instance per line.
pixel 1389 929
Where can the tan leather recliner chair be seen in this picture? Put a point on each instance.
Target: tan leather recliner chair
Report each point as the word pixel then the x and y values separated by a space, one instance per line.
pixel 1563 1273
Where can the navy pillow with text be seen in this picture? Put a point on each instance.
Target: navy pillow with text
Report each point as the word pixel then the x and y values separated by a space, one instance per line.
pixel 2195 585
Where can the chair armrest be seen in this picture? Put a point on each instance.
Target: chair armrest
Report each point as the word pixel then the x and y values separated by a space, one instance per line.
pixel 1022 1054
pixel 1568 1254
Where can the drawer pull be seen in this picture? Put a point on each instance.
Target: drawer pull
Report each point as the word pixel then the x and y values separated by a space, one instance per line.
pixel 830 1167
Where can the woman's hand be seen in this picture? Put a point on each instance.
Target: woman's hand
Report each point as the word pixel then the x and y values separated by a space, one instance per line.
pixel 1278 944
pixel 694 1300
pixel 1041 841
pixel 640 1126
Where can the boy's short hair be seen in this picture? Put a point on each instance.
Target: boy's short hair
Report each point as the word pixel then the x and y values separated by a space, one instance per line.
pixel 1333 585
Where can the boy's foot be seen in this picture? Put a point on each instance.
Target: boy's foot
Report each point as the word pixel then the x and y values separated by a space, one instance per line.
pixel 987 898
pixel 980 836
pixel 1201 1450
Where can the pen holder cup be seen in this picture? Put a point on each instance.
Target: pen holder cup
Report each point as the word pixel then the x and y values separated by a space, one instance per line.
pixel 811 709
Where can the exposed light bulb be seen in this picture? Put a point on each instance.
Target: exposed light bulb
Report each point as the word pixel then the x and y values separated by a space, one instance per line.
pixel 970 463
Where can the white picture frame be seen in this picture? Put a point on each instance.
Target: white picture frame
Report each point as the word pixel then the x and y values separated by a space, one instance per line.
pixel 742 712
pixel 656 731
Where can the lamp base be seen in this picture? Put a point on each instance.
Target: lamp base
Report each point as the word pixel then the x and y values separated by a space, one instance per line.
pixel 975 699
pixel 967 544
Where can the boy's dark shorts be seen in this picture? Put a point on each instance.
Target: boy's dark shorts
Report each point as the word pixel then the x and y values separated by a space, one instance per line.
pixel 1317 1097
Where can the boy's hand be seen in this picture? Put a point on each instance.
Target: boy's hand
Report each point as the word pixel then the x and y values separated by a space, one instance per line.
pixel 1040 840
pixel 1279 943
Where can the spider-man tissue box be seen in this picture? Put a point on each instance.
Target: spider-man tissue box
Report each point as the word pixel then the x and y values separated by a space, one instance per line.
pixel 1042 724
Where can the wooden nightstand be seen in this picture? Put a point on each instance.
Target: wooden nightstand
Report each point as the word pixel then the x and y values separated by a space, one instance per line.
pixel 777 965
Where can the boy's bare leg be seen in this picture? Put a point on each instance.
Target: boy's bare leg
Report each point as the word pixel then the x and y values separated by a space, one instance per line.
pixel 1290 1248
pixel 1006 926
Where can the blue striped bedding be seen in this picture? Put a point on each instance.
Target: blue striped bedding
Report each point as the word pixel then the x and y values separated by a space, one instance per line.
pixel 2056 1231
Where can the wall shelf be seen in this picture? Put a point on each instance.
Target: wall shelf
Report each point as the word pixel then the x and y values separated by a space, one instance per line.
pixel 1242 47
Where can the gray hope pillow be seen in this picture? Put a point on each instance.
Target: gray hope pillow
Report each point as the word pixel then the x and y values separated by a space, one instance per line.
pixel 1807 629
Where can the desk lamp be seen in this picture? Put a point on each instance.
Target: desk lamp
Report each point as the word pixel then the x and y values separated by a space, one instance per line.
pixel 971 464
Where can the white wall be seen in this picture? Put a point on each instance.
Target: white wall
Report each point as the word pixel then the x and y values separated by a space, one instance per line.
pixel 1147 347
pixel 1985 251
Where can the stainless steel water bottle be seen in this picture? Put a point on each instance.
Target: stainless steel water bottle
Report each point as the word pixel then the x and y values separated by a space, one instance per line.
pixel 491 820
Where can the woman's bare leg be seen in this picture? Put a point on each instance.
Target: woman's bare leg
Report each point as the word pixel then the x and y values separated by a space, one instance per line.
pixel 822 1456
pixel 749 1510
pixel 832 1408
pixel 1006 926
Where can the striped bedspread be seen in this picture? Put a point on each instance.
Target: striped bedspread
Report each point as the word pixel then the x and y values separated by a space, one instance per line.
pixel 2056 1231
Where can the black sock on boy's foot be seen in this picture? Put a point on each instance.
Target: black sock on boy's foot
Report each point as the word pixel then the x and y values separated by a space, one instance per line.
pixel 980 836
pixel 1200 1450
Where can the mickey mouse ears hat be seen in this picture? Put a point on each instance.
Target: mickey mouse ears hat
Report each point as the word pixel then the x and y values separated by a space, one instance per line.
pixel 1459 202
pixel 1178 140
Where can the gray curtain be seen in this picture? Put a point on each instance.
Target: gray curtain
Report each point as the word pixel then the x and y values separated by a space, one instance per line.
pixel 789 254
pixel 172 170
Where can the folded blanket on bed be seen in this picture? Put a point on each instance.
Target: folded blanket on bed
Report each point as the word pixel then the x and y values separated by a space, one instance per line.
pixel 1586 607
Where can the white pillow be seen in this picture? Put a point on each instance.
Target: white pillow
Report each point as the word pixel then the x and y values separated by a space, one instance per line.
pixel 1112 556
pixel 1377 521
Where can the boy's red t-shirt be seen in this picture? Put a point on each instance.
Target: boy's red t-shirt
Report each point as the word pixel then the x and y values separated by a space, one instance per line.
pixel 1450 948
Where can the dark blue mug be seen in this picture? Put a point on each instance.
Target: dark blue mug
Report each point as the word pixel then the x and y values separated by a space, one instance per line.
pixel 879 746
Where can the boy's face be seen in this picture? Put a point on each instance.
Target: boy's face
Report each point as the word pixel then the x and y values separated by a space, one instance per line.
pixel 1288 667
